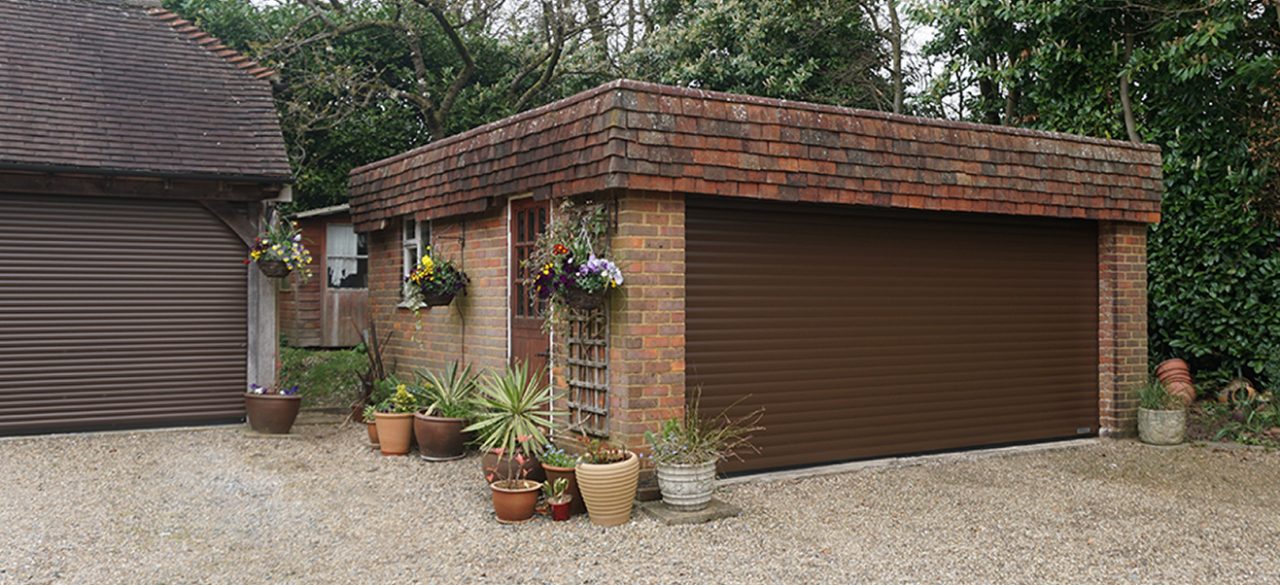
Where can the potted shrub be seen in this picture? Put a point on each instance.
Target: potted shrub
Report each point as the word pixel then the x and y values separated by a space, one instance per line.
pixel 560 465
pixel 279 251
pixel 1162 417
pixel 439 427
pixel 271 410
pixel 556 493
pixel 395 422
pixel 369 416
pixel 515 496
pixel 686 450
pixel 509 405
pixel 607 477
pixel 434 282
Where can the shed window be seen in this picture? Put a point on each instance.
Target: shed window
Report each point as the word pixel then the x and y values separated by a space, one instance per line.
pixel 414 241
pixel 346 257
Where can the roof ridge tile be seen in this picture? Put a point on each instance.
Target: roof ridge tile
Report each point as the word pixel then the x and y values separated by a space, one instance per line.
pixel 214 45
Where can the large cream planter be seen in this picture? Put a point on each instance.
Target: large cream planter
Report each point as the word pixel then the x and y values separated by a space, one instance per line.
pixel 687 488
pixel 1162 427
pixel 609 489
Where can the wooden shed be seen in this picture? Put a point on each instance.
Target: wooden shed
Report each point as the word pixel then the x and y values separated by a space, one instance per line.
pixel 328 311
pixel 137 154
pixel 880 284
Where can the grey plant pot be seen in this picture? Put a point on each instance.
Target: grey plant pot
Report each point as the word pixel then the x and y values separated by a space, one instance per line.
pixel 687 488
pixel 1162 427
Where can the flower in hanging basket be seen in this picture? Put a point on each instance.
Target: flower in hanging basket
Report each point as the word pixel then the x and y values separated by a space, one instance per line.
pixel 434 282
pixel 279 251
pixel 578 284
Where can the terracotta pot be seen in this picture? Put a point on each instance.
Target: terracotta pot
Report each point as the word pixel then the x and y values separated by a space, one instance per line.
pixel 273 268
pixel 514 500
pixel 561 511
pixel 1183 390
pixel 1170 366
pixel 505 467
pixel 440 438
pixel 271 414
pixel 609 489
pixel 571 478
pixel 373 432
pixel 395 432
pixel 1237 391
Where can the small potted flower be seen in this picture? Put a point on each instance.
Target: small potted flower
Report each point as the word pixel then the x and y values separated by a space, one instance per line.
pixel 434 282
pixel 560 465
pixel 439 426
pixel 370 418
pixel 279 251
pixel 607 477
pixel 395 422
pixel 515 496
pixel 1162 417
pixel 272 410
pixel 557 495
pixel 576 277
pixel 686 450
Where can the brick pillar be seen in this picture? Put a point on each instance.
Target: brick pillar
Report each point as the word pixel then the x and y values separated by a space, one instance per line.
pixel 646 336
pixel 1122 324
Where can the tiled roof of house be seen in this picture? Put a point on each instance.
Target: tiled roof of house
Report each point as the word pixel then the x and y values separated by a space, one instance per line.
pixel 117 86
pixel 648 137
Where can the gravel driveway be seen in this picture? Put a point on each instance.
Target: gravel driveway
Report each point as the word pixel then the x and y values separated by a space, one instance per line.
pixel 217 506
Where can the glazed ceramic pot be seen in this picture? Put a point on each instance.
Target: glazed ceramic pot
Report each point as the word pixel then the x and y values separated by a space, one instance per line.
pixel 609 489
pixel 570 478
pixel 1162 427
pixel 271 414
pixel 687 488
pixel 514 500
pixel 373 432
pixel 440 438
pixel 505 467
pixel 395 432
pixel 561 511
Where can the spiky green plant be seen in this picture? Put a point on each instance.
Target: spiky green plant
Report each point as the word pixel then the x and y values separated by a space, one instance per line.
pixel 513 411
pixel 450 393
pixel 1153 396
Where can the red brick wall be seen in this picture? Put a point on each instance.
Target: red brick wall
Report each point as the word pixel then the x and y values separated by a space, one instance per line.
pixel 474 328
pixel 646 344
pixel 1122 324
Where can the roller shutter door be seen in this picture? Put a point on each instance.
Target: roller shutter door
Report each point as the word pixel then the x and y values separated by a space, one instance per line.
pixel 868 334
pixel 118 313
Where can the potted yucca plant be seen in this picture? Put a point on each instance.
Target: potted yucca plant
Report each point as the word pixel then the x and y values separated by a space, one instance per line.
pixel 508 405
pixel 450 397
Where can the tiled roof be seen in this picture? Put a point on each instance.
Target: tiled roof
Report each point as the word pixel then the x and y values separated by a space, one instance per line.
pixel 648 137
pixel 114 86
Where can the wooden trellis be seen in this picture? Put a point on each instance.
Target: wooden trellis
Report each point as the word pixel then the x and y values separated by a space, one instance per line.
pixel 587 371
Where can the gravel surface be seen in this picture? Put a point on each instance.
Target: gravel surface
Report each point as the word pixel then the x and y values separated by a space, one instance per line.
pixel 219 506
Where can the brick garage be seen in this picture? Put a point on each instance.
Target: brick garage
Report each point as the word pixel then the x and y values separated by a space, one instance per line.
pixel 987 284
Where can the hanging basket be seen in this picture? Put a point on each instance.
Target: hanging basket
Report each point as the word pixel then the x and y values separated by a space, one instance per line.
pixel 438 299
pixel 582 300
pixel 273 268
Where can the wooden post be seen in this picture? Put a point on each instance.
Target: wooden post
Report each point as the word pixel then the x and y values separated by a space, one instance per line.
pixel 263 340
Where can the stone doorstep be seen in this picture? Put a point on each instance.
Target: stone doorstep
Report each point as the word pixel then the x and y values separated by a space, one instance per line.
pixel 716 510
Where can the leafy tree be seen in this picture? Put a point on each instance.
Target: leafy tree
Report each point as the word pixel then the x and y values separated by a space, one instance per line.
pixel 1196 77
pixel 813 50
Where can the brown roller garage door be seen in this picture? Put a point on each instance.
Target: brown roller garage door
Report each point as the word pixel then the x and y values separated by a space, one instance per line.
pixel 118 313
pixel 867 334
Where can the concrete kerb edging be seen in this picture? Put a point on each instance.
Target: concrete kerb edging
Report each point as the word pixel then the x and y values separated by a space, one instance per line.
pixel 116 432
pixel 899 462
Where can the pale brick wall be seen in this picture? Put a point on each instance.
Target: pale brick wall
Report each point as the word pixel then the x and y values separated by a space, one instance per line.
pixel 1122 324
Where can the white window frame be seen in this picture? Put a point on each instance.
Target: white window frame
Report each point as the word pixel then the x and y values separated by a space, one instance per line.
pixel 408 258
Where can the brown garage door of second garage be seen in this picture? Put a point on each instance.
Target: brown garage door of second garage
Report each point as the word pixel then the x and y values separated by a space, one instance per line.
pixel 118 313
pixel 868 334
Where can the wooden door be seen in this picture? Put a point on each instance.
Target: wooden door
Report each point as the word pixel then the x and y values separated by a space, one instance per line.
pixel 529 343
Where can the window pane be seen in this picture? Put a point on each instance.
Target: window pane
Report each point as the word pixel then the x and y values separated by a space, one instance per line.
pixel 358 279
pixel 409 227
pixel 362 247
